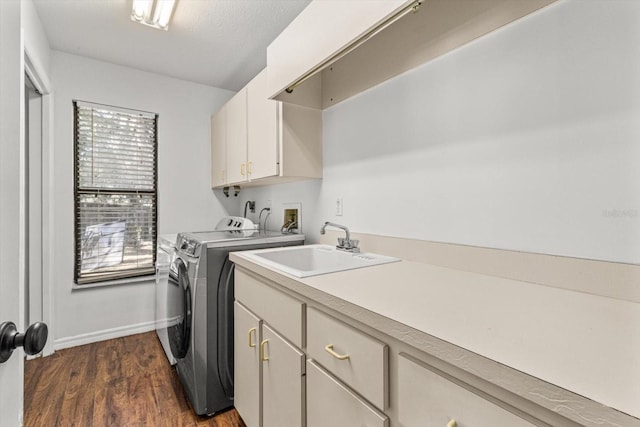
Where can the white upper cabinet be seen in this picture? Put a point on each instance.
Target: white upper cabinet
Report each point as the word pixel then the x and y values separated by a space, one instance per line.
pixel 336 49
pixel 236 124
pixel 263 152
pixel 258 141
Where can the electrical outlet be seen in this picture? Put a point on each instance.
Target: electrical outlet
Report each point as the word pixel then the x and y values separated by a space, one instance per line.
pixel 339 206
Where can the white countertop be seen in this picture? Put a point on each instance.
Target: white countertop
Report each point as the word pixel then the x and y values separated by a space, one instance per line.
pixel 587 344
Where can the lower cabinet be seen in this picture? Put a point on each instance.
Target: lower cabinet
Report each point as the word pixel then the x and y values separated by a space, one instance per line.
pixel 330 403
pixel 426 398
pixel 247 375
pixel 269 374
pixel 356 359
pixel 283 388
pixel 342 378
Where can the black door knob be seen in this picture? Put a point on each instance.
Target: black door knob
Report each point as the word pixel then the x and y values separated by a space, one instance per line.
pixel 33 340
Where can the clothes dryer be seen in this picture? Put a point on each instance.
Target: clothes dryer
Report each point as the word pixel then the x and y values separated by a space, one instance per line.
pixel 164 257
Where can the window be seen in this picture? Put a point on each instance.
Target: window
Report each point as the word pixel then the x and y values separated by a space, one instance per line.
pixel 115 192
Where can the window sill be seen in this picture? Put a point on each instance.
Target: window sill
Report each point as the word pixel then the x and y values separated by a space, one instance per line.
pixel 130 281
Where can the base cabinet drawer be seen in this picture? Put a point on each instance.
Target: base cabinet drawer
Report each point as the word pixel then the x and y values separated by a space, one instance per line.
pixel 427 399
pixel 358 360
pixel 330 403
pixel 284 313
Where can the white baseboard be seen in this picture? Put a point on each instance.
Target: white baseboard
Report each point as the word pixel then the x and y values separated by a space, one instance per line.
pixel 103 335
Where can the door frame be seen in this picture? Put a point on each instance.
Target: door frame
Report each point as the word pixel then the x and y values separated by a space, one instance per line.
pixel 40 80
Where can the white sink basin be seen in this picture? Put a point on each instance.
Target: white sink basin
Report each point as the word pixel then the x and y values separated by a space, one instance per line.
pixel 313 260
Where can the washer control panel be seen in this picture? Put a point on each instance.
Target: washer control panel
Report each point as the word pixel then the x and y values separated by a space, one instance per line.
pixel 187 245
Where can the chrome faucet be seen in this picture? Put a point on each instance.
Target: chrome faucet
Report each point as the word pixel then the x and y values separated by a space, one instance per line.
pixel 344 243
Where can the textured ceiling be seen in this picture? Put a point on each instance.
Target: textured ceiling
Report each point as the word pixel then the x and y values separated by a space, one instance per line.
pixel 220 43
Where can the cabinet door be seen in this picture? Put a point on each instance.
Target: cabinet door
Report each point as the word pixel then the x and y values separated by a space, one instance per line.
pixel 237 138
pixel 263 138
pixel 283 390
pixel 246 364
pixel 427 399
pixel 330 403
pixel 218 148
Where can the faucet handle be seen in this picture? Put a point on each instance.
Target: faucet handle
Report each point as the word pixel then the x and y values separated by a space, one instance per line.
pixel 352 245
pixel 348 245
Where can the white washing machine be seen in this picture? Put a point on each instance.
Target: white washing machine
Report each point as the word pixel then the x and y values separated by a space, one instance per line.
pixel 165 255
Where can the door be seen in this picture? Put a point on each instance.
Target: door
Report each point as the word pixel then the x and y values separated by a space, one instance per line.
pixel 247 376
pixel 179 325
pixel 237 138
pixel 11 203
pixel 225 323
pixel 283 390
pixel 262 113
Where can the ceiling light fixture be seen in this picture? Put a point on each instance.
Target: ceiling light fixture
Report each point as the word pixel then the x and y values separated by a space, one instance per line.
pixel 154 13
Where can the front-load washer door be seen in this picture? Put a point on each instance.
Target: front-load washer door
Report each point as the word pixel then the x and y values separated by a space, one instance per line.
pixel 180 303
pixel 225 328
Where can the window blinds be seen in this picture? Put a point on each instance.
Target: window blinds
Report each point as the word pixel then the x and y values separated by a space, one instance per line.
pixel 115 192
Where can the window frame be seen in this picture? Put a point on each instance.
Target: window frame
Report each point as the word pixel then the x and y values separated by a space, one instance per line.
pixel 139 274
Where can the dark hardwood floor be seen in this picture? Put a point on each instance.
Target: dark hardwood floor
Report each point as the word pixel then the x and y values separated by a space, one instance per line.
pixel 121 382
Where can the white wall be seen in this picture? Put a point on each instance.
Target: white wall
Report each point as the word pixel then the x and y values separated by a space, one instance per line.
pixel 36 43
pixel 526 139
pixel 185 200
